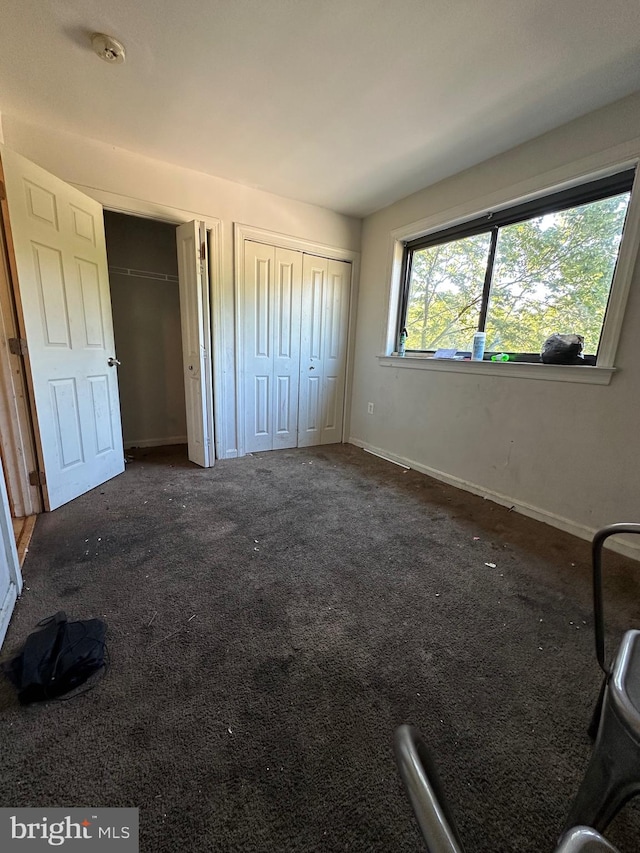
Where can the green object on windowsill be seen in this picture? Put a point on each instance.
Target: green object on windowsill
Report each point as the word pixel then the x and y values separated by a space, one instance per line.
pixel 503 356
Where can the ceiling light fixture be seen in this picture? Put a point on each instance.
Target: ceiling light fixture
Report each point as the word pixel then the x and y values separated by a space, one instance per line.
pixel 108 48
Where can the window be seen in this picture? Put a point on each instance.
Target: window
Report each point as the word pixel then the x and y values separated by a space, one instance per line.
pixel 519 274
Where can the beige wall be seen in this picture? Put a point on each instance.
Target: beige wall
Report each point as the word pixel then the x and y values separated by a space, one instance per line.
pixel 563 452
pixel 129 182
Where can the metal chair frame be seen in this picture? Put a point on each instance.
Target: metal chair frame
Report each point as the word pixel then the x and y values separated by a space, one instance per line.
pixel 613 775
pixel 420 777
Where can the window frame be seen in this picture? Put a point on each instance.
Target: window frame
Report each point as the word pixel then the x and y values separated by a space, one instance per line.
pixel 591 189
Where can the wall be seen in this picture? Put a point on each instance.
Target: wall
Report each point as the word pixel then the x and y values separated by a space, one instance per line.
pixel 146 322
pixel 132 183
pixel 563 452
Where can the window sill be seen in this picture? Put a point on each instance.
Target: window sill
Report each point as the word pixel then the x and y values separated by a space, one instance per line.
pixel 513 369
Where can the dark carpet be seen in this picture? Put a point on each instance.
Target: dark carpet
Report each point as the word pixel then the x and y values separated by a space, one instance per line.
pixel 273 619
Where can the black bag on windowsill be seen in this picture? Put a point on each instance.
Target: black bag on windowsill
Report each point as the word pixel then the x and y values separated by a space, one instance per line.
pixel 563 349
pixel 58 658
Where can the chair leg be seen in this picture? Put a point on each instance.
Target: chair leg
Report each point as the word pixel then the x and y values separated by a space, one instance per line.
pixel 594 725
pixel 612 777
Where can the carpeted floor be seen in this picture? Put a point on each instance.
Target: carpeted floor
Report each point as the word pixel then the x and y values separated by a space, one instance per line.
pixel 273 619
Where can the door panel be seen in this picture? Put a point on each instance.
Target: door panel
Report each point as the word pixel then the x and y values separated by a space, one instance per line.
pixel 286 356
pixel 314 275
pixel 335 349
pixel 193 274
pixel 283 408
pixel 332 414
pixel 271 327
pixel 323 349
pixel 65 310
pixel 259 262
pixel 89 276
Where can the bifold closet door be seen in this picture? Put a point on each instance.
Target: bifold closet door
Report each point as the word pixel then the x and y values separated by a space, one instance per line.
pixel 271 309
pixel 195 321
pixel 326 289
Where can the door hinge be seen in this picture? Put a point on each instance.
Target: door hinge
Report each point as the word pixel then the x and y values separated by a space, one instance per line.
pixel 37 478
pixel 17 346
pixel 3 192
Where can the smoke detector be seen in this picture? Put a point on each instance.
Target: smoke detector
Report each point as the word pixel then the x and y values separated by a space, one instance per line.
pixel 108 48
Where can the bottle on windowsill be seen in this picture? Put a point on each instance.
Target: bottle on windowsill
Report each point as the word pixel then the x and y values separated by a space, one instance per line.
pixel 403 343
pixel 477 347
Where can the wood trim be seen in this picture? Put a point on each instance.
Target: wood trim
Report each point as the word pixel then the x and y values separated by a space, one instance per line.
pixel 23 531
pixel 17 446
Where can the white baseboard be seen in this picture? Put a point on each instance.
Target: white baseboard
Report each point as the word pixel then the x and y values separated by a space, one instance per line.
pixel 539 514
pixel 156 442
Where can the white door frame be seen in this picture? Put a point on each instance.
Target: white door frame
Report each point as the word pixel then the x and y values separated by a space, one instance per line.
pixel 177 216
pixel 10 556
pixel 241 233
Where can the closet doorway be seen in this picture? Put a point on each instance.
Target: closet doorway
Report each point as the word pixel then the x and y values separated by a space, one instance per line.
pixel 145 300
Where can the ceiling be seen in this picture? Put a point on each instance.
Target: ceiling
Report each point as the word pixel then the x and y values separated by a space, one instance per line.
pixel 347 104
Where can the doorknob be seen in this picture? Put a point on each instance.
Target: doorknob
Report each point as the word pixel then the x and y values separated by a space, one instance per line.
pixel 113 362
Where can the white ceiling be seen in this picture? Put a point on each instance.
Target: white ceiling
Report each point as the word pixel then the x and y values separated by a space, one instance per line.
pixel 348 104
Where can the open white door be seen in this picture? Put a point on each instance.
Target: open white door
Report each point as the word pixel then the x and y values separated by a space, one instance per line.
pixel 10 576
pixel 193 273
pixel 57 234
